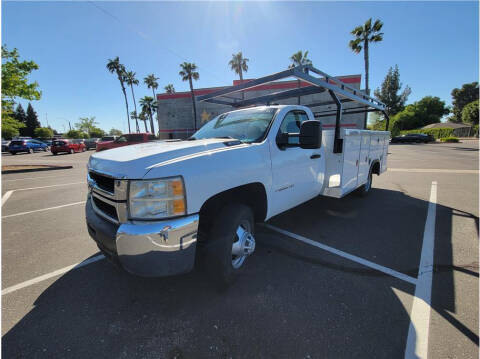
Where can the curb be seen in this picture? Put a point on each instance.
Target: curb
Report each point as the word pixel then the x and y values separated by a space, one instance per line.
pixel 53 168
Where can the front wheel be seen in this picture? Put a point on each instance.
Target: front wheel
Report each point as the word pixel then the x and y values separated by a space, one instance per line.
pixel 72 151
pixel 30 150
pixel 13 153
pixel 230 242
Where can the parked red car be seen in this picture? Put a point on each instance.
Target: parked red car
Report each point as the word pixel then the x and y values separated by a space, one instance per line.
pixel 68 146
pixel 125 140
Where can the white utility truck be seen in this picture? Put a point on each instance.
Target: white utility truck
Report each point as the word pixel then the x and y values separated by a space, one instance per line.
pixel 159 208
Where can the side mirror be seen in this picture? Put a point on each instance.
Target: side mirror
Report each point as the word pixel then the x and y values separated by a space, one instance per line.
pixel 311 134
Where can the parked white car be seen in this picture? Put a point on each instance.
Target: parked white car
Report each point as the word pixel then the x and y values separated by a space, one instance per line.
pixel 157 207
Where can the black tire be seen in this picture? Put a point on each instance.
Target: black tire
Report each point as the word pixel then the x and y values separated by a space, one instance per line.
pixel 13 153
pixel 55 153
pixel 365 189
pixel 216 253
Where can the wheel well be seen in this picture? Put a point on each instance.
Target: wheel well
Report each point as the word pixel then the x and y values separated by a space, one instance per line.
pixel 252 195
pixel 376 167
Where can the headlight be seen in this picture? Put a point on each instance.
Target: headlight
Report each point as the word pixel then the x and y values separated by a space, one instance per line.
pixel 152 199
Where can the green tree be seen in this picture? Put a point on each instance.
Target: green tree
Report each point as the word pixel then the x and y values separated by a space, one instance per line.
pixel 148 107
pixel 115 132
pixel 31 122
pixel 96 132
pixel 86 124
pixel 170 89
pixel 43 132
pixel 132 80
pixel 15 85
pixel 114 66
pixel 20 115
pixel 143 117
pixel 238 63
pixel 364 35
pixel 470 113
pixel 189 73
pixel 421 113
pixel 299 58
pixel 11 127
pixel 462 97
pixel 388 92
pixel 151 82
pixel 76 134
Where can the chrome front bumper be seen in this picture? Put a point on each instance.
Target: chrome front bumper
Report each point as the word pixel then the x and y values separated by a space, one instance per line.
pixel 149 249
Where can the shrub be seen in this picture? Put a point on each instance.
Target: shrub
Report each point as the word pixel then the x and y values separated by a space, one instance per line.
pixel 438 133
pixel 449 139
pixel 43 132
pixel 76 134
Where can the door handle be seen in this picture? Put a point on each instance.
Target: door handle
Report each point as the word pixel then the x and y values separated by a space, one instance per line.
pixel 316 155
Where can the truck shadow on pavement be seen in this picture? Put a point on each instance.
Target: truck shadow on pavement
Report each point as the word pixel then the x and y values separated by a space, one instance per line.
pixel 291 301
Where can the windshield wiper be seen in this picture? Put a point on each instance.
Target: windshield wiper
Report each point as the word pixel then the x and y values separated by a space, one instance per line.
pixel 191 139
pixel 227 137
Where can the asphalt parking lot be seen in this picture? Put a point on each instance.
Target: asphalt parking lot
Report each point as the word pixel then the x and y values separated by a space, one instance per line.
pixel 332 278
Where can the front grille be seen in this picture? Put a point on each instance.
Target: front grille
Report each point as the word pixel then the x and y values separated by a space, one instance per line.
pixel 103 182
pixel 106 208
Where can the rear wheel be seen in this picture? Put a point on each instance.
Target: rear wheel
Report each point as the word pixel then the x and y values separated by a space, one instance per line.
pixel 30 150
pixel 72 151
pixel 364 190
pixel 230 242
pixel 55 153
pixel 83 149
pixel 13 153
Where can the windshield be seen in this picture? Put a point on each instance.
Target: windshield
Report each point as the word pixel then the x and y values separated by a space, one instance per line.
pixel 245 125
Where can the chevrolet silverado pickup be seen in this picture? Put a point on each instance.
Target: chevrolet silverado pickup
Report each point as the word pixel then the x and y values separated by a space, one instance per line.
pixel 158 208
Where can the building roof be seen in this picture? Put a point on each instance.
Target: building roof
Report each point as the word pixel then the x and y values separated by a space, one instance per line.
pixel 453 125
pixel 277 85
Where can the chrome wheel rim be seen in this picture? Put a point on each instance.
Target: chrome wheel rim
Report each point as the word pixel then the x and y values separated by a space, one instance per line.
pixel 243 244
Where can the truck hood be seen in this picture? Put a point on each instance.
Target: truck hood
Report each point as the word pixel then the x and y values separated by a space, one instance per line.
pixel 134 161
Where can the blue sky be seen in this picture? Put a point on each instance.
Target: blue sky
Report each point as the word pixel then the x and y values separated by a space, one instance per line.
pixel 435 44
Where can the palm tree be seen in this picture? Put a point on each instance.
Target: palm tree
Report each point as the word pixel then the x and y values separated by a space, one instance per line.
pixel 114 66
pixel 238 63
pixel 148 106
pixel 299 58
pixel 189 73
pixel 143 117
pixel 151 82
pixel 131 80
pixel 363 36
pixel 169 89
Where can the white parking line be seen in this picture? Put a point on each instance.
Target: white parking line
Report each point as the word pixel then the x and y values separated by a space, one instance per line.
pixel 348 256
pixel 51 275
pixel 417 340
pixel 54 185
pixel 433 170
pixel 6 196
pixel 32 178
pixel 43 209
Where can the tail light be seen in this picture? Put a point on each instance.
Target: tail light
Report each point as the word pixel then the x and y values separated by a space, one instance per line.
pixel 24 143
